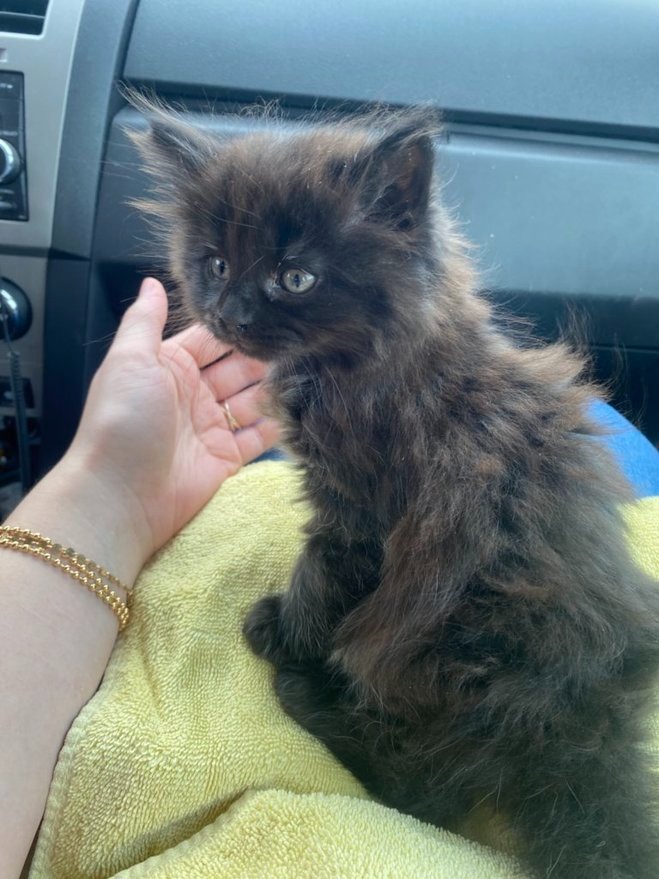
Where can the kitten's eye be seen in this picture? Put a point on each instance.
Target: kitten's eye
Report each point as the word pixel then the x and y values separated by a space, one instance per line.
pixel 297 280
pixel 218 268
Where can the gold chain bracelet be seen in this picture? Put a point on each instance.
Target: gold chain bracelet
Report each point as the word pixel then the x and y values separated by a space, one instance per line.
pixel 88 573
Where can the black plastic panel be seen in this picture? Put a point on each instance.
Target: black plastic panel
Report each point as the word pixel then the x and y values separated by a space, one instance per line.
pixel 586 62
pixel 573 220
pixel 92 100
pixel 65 338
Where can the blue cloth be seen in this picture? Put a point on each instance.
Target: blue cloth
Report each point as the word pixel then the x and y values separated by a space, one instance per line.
pixel 637 457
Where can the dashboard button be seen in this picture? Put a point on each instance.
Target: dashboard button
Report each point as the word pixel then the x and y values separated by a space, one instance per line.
pixel 10 162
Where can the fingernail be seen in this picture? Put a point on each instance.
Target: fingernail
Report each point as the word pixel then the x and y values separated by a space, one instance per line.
pixel 146 285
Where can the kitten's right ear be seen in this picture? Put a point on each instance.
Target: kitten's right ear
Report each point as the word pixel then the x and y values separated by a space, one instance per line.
pixel 176 144
pixel 169 144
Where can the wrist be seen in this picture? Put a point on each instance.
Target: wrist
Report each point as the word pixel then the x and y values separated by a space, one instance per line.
pixel 76 505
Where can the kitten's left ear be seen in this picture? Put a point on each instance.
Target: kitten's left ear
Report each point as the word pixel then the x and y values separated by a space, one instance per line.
pixel 397 171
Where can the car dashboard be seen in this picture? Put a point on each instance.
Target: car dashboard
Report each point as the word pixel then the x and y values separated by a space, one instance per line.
pixel 549 157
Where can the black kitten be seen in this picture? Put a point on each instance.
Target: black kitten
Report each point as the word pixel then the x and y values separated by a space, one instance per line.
pixel 465 624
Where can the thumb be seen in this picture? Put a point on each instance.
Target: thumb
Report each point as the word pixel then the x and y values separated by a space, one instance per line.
pixel 143 323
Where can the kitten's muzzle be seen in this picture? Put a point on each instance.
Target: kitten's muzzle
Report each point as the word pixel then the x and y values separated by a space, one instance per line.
pixel 228 329
pixel 254 339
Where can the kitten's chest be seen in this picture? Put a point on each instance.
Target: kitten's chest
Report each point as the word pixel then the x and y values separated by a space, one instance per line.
pixel 339 438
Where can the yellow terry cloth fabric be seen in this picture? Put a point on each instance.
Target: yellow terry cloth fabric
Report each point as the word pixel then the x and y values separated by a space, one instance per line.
pixel 183 766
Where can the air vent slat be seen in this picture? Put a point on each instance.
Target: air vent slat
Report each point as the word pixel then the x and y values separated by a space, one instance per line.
pixel 29 7
pixel 22 16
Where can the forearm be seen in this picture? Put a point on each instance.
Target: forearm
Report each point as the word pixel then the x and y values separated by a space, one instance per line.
pixel 152 447
pixel 55 640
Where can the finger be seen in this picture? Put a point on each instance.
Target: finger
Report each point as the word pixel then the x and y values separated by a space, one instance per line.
pixel 200 344
pixel 246 406
pixel 255 440
pixel 143 323
pixel 233 374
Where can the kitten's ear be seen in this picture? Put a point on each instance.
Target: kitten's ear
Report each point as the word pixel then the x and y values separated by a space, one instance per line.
pixel 177 144
pixel 396 172
pixel 169 144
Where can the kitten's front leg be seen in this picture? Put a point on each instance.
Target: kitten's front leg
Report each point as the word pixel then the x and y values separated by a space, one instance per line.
pixel 262 629
pixel 330 577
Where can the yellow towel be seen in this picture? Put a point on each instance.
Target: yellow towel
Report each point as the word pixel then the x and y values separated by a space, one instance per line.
pixel 183 765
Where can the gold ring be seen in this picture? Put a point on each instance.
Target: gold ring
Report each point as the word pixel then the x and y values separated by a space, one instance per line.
pixel 233 423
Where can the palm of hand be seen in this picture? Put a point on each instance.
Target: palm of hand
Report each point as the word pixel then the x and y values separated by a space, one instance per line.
pixel 200 451
pixel 159 408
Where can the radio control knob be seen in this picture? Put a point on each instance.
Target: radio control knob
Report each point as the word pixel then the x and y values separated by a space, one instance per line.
pixel 10 162
pixel 15 308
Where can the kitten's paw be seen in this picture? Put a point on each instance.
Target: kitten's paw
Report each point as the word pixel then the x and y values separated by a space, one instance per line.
pixel 311 697
pixel 262 628
pixel 296 691
pixel 302 694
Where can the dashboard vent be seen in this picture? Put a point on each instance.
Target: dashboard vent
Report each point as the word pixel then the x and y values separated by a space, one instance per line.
pixel 22 16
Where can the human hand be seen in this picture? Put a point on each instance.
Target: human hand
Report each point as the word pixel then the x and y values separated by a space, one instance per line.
pixel 152 447
pixel 153 435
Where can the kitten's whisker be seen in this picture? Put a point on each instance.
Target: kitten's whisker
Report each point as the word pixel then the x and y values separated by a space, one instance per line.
pixel 571 789
pixel 259 186
pixel 213 218
pixel 554 865
pixel 500 785
pixel 99 340
pixel 241 208
pixel 235 223
pixel 249 268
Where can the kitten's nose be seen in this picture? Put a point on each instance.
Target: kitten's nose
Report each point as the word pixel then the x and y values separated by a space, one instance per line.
pixel 228 326
pixel 235 313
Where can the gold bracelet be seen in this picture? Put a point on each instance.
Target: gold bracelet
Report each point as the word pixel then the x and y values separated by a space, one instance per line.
pixel 39 540
pixel 92 576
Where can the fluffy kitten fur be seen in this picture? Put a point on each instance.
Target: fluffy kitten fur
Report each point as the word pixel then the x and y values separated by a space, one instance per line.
pixel 465 624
